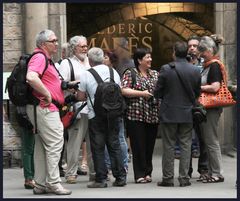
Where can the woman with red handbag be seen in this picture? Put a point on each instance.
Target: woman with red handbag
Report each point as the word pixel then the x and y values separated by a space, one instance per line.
pixel 212 78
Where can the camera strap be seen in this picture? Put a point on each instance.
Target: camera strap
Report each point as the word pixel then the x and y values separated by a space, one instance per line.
pixel 71 70
pixel 59 74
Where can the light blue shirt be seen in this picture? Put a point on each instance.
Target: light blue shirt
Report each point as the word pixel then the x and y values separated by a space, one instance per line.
pixel 89 84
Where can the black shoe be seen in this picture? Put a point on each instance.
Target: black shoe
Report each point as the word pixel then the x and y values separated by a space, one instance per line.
pixel 119 183
pixel 187 183
pixel 166 184
pixel 97 185
pixel 92 177
pixel 80 172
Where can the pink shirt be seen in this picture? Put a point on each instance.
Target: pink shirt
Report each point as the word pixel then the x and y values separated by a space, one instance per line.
pixel 50 79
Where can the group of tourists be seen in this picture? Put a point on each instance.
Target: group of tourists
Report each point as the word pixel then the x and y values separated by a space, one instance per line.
pixel 156 101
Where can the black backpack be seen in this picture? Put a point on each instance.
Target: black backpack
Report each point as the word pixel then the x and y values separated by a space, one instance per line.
pixel 109 101
pixel 19 91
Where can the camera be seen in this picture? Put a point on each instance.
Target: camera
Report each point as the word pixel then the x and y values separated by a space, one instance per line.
pixel 66 85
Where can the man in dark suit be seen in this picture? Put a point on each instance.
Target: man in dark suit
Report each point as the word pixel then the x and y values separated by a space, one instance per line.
pixel 176 112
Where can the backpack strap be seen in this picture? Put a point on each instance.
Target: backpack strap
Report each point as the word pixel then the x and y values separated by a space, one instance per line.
pixel 59 61
pixel 46 61
pixel 71 70
pixel 111 74
pixel 95 75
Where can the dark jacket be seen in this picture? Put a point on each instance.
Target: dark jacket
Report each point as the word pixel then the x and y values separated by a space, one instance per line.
pixel 176 106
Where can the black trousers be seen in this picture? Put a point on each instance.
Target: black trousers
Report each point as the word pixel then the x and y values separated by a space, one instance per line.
pixel 142 140
pixel 103 131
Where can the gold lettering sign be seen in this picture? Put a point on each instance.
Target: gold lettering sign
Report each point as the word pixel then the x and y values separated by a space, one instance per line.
pixel 138 33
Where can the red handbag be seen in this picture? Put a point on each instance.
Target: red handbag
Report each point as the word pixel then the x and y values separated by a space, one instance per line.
pixel 223 97
pixel 67 119
pixel 68 116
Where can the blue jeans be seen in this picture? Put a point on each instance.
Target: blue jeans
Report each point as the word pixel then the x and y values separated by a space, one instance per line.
pixel 123 145
pixel 103 132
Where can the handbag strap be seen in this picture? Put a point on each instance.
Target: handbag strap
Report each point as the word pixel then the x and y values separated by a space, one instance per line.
pixel 77 111
pixel 190 95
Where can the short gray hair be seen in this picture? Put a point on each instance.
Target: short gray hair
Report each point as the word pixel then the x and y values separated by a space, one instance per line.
pixel 43 36
pixel 96 55
pixel 210 43
pixel 74 41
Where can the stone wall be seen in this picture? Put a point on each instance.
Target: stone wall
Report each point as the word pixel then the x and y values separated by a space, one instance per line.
pixel 226 25
pixel 11 138
pixel 13 34
pixel 13 37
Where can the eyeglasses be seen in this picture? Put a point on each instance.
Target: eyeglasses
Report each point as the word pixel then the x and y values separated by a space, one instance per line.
pixel 83 46
pixel 52 41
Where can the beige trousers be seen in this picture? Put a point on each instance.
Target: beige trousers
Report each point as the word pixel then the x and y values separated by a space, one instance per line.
pixel 76 135
pixel 48 145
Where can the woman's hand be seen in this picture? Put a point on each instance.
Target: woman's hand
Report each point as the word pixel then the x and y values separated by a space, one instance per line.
pixel 146 94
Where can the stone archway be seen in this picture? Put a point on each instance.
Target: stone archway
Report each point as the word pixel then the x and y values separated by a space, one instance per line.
pixel 180 19
pixel 96 17
pixel 182 27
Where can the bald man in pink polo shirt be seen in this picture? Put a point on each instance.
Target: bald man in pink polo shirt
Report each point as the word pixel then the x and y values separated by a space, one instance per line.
pixel 49 139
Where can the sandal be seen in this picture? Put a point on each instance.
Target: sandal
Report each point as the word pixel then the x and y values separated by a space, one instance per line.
pixel 148 179
pixel 141 180
pixel 213 179
pixel 203 177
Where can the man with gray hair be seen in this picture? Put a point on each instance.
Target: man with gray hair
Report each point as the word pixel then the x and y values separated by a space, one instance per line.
pixel 49 139
pixel 65 53
pixel 79 130
pixel 102 131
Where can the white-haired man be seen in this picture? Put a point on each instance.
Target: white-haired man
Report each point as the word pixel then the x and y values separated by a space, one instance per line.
pixel 79 130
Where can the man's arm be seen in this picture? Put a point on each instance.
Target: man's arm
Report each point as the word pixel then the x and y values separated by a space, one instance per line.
pixel 81 96
pixel 158 91
pixel 35 82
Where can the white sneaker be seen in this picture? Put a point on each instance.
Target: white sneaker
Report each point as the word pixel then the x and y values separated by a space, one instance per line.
pixel 57 189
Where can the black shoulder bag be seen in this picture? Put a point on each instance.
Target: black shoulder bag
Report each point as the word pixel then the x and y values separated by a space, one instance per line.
pixel 199 113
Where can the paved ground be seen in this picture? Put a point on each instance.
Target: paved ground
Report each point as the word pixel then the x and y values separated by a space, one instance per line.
pixel 13 184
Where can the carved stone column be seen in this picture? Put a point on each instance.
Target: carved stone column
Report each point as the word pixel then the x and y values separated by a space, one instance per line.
pixel 36 20
pixel 57 23
pixel 226 25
